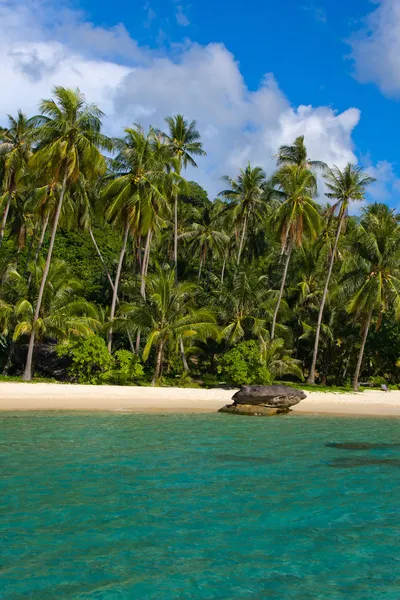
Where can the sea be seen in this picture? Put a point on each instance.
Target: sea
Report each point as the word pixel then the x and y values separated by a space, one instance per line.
pixel 110 506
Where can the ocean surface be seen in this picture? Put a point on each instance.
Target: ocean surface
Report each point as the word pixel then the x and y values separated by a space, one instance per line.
pixel 112 506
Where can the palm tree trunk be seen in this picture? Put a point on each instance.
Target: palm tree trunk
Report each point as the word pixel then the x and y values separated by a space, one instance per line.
pixel 28 256
pixel 361 354
pixel 311 377
pixel 40 244
pixel 183 356
pixel 242 240
pixel 4 219
pixel 145 266
pixel 116 285
pixel 285 270
pixel 176 236
pixel 158 367
pixel 103 262
pixel 110 281
pixel 200 267
pixel 27 376
pixel 223 270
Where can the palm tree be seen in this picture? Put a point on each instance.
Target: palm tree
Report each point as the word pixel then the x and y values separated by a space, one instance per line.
pixel 296 216
pixel 64 312
pixel 135 195
pixel 167 315
pixel 242 307
pixel 205 236
pixel 15 151
pixel 374 272
pixel 247 196
pixel 70 141
pixel 296 154
pixel 277 359
pixel 344 186
pixel 183 139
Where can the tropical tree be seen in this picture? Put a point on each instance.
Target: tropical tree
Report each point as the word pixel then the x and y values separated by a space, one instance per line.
pixel 246 194
pixel 70 137
pixel 166 315
pixel 296 154
pixel 183 139
pixel 344 187
pixel 15 150
pixel 205 236
pixel 373 272
pixel 135 195
pixel 296 217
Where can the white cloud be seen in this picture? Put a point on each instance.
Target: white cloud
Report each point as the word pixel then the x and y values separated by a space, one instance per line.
pixel 386 188
pixel 376 48
pixel 40 49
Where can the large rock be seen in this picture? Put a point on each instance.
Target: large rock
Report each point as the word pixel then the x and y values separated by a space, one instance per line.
pixel 273 396
pixel 252 410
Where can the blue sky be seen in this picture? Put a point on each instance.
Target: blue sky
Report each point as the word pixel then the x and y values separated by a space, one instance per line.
pixel 209 59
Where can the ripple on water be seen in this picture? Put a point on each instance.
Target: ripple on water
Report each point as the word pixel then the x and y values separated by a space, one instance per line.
pixel 111 506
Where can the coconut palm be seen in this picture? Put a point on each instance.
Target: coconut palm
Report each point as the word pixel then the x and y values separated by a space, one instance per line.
pixel 344 187
pixel 205 236
pixel 296 217
pixel 135 195
pixel 64 313
pixel 183 139
pixel 70 141
pixel 247 195
pixel 277 359
pixel 15 151
pixel 296 154
pixel 373 272
pixel 167 315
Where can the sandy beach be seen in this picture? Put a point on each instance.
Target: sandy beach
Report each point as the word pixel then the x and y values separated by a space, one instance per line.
pixel 48 396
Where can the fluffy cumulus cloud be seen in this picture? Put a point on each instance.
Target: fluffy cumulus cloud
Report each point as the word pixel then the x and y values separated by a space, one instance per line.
pixel 376 48
pixel 41 47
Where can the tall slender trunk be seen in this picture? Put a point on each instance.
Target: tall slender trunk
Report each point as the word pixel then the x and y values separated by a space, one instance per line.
pixel 4 218
pixel 285 270
pixel 242 240
pixel 183 355
pixel 223 270
pixel 40 244
pixel 28 256
pixel 116 285
pixel 110 281
pixel 103 262
pixel 27 376
pixel 311 377
pixel 158 367
pixel 361 354
pixel 200 267
pixel 176 236
pixel 145 266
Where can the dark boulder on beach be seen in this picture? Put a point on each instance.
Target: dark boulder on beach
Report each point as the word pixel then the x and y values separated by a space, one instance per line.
pixel 263 400
pixel 276 396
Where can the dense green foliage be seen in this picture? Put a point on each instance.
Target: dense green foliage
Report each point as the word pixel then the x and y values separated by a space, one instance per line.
pixel 119 270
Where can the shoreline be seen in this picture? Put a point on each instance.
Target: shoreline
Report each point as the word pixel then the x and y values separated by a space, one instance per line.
pixel 49 396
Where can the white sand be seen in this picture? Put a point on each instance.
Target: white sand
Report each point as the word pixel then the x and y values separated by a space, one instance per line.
pixel 49 396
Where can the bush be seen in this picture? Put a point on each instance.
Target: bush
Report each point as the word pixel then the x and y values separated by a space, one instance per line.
pixel 90 362
pixel 89 358
pixel 126 370
pixel 242 365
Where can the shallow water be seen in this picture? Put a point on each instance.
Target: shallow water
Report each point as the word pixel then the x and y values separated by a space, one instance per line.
pixel 111 506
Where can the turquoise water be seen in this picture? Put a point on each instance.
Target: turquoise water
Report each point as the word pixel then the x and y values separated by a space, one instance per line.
pixel 111 506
